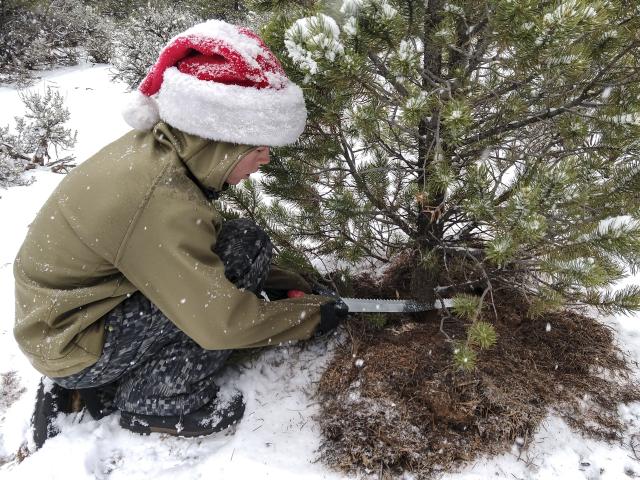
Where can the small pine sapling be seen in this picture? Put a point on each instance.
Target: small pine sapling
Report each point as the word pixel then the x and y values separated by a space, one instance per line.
pixel 12 162
pixel 41 134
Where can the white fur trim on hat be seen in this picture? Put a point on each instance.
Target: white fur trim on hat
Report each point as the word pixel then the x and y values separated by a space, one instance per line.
pixel 232 113
pixel 141 112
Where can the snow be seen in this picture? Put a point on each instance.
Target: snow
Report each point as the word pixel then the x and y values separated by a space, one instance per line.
pixel 625 118
pixel 568 9
pixel 388 12
pixel 350 26
pixel 381 8
pixel 351 7
pixel 310 39
pixel 410 49
pixel 247 46
pixel 278 436
pixel 454 9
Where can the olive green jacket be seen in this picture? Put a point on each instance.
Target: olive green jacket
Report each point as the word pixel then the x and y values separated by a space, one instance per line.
pixel 133 217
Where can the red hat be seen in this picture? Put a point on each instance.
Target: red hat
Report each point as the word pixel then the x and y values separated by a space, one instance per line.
pixel 221 82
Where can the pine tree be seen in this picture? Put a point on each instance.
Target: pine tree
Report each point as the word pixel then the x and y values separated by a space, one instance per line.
pixel 20 28
pixel 139 40
pixel 496 140
pixel 232 11
pixel 38 34
pixel 12 163
pixel 40 133
pixel 116 9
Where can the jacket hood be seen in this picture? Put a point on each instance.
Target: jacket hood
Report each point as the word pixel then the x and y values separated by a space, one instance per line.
pixel 209 161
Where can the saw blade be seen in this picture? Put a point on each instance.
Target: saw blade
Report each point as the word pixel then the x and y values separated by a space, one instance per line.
pixel 373 305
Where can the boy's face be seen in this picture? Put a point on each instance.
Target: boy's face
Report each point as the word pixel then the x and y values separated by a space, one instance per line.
pixel 249 164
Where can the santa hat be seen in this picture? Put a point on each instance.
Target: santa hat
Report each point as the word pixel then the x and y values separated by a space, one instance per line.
pixel 220 82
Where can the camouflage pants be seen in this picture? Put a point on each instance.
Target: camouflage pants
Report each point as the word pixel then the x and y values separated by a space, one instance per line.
pixel 152 366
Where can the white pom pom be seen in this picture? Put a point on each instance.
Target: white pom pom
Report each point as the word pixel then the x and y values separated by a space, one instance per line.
pixel 141 112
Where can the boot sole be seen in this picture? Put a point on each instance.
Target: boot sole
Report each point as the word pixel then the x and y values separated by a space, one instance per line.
pixel 145 426
pixel 142 430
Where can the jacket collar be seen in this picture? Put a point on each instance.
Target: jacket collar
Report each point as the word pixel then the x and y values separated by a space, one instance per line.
pixel 210 162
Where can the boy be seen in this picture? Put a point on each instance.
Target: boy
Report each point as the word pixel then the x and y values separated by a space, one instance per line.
pixel 129 288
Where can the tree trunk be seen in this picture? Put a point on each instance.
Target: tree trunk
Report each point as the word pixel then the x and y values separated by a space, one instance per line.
pixel 425 278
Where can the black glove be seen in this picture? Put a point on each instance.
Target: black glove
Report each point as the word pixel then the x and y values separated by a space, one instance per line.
pixel 275 293
pixel 331 314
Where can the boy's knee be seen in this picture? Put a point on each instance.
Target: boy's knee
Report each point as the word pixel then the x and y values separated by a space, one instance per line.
pixel 242 235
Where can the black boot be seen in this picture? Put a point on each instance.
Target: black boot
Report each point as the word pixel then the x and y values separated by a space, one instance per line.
pixel 213 417
pixel 51 399
pixel 99 401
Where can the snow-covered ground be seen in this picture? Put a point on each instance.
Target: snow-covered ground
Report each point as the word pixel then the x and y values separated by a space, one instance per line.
pixel 278 437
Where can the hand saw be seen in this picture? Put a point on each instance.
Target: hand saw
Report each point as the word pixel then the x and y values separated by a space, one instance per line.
pixel 378 305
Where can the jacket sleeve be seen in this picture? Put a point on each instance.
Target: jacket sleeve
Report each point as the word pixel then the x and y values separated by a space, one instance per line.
pixel 167 254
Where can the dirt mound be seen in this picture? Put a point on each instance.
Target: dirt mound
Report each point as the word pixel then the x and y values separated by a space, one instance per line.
pixel 393 402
